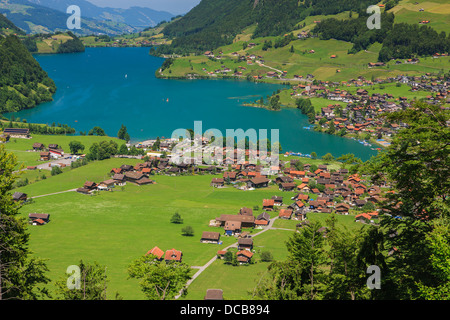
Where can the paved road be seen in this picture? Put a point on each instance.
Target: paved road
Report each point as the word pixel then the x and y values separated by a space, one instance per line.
pixel 234 245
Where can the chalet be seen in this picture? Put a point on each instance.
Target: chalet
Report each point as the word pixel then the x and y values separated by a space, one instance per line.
pixel 19 196
pixel 297 206
pixel 300 196
pixel 143 181
pixel 127 167
pixel 246 211
pixel 272 74
pixel 288 186
pixel 90 185
pixel 284 179
pixel 17 132
pixel 258 182
pixel 214 294
pixel 210 237
pixel 244 256
pixel 217 182
pixel 285 214
pixel 303 187
pixel 299 215
pixel 263 216
pixel 38 146
pixel 157 252
pixel 119 179
pixel 245 244
pixel 232 227
pixel 268 204
pixel 53 146
pixel 107 184
pixel 278 201
pixel 42 216
pixel 84 191
pixel 133 176
pixel 173 255
pixel 38 222
pixel 246 221
pixel 231 175
pixel 45 156
pixel 342 208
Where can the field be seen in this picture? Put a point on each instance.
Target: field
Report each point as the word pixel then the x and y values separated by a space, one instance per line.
pixel 21 146
pixel 114 228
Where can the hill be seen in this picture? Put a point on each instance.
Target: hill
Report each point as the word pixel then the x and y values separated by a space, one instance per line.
pixel 23 83
pixel 137 17
pixel 33 18
pixel 215 23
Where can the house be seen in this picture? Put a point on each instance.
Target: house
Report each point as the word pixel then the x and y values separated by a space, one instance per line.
pixel 246 221
pixel 299 215
pixel 17 132
pixel 363 217
pixel 278 201
pixel 244 256
pixel 119 179
pixel 263 216
pixel 157 252
pixel 284 179
pixel 45 156
pixel 285 214
pixel 19 196
pixel 232 227
pixel 106 185
pixel 38 146
pixel 268 204
pixel 342 208
pixel 84 191
pixel 210 237
pixel 56 153
pixel 217 182
pixel 44 217
pixel 258 182
pixel 143 181
pixel 90 185
pixel 53 146
pixel 173 255
pixel 231 175
pixel 214 294
pixel 245 244
pixel 287 186
pixel 246 211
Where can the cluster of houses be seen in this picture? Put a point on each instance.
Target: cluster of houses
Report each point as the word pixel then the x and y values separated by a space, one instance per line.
pixel 168 255
pixel 53 151
pixel 360 112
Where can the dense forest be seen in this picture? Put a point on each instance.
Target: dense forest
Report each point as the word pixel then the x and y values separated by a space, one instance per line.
pixel 214 23
pixel 23 83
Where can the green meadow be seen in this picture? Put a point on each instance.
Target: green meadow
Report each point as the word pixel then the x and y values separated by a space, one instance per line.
pixel 114 228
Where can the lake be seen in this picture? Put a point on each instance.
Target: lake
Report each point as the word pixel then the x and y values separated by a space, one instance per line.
pixel 108 87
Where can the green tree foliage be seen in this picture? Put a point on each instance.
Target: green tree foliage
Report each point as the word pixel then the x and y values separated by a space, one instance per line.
pixel 123 134
pixel 92 283
pixel 417 166
pixel 160 280
pixel 22 276
pixel 306 108
pixel 187 231
pixel 76 147
pixel 96 131
pixel 73 45
pixel 102 150
pixel 23 83
pixel 176 218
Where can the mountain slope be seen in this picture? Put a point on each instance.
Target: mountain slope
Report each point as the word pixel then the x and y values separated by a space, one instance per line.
pixel 213 23
pixel 23 83
pixel 33 18
pixel 137 17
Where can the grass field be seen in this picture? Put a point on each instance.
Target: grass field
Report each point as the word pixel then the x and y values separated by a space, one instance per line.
pixel 114 228
pixel 20 147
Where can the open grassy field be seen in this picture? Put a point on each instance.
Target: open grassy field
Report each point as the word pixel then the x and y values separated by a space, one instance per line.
pixel 114 228
pixel 21 147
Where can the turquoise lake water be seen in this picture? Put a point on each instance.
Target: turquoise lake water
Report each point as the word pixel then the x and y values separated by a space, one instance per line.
pixel 108 87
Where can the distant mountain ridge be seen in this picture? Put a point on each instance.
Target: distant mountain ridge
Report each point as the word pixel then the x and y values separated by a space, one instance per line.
pixel 137 17
pixel 33 17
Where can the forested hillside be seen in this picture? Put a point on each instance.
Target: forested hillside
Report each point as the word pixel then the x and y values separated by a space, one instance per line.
pixel 216 22
pixel 23 83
